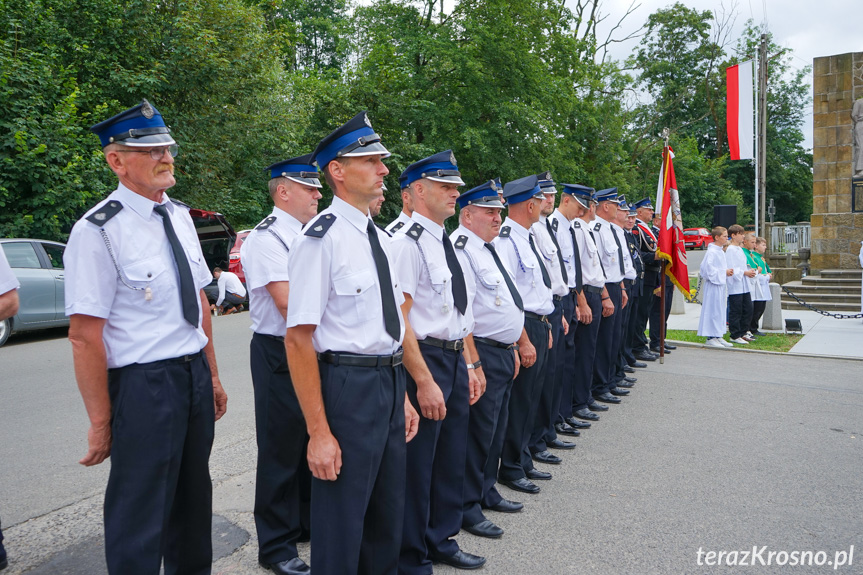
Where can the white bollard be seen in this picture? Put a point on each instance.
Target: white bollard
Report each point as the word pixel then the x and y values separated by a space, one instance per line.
pixel 772 318
pixel 677 302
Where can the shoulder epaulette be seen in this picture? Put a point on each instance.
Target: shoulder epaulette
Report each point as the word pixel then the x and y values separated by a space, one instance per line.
pixel 105 213
pixel 460 242
pixel 415 231
pixel 596 226
pixel 397 227
pixel 181 204
pixel 321 226
pixel 576 225
pixel 504 232
pixel 554 224
pixel 384 230
pixel 266 223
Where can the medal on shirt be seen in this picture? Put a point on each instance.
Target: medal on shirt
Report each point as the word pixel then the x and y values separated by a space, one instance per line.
pixel 445 308
pixel 497 300
pixel 148 294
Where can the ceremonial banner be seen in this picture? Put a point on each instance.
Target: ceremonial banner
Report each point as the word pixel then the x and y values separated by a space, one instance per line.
pixel 741 112
pixel 671 247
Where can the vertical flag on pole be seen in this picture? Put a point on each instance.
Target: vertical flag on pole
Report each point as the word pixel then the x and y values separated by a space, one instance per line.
pixel 741 116
pixel 671 244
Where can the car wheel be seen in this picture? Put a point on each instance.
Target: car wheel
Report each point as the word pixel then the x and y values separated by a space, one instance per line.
pixel 5 330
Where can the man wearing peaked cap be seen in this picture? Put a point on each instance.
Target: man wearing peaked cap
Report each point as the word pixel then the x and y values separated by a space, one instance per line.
pixel 498 325
pixel 646 242
pixel 440 384
pixel 283 481
pixel 343 341
pixel 543 434
pixel 519 254
pixel 139 324
pixel 631 285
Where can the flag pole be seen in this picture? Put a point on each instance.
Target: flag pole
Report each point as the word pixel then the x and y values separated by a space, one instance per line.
pixel 665 134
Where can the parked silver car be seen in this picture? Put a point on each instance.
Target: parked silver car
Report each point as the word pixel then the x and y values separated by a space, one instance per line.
pixel 38 265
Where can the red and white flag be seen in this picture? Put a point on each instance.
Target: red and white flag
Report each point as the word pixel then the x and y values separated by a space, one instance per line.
pixel 741 111
pixel 671 246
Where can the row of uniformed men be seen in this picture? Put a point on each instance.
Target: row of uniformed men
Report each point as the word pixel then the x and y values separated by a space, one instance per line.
pixel 387 366
pixel 514 332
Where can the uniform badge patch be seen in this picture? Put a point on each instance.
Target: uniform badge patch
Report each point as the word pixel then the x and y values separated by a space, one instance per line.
pixel 398 226
pixel 367 121
pixel 452 158
pixel 576 225
pixel 321 226
pixel 504 232
pixel 596 227
pixel 105 213
pixel 266 223
pixel 146 109
pixel 415 231
pixel 554 224
pixel 460 242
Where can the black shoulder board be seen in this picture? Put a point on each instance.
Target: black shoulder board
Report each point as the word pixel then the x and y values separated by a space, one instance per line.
pixel 105 213
pixel 384 230
pixel 266 223
pixel 415 231
pixel 554 224
pixel 321 226
pixel 397 227
pixel 596 226
pixel 460 242
pixel 576 225
pixel 504 232
pixel 181 204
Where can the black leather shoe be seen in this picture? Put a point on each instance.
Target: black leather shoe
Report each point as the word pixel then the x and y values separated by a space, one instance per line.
pixel 627 369
pixel 644 356
pixel 537 474
pixel 566 429
pixel 560 444
pixel 593 406
pixel 639 364
pixel 669 347
pixel 606 398
pixel 618 392
pixel 573 422
pixel 545 457
pixel 656 350
pixel 522 484
pixel 587 413
pixel 630 379
pixel 507 506
pixel 460 560
pixel 625 383
pixel 4 563
pixel 484 529
pixel 294 566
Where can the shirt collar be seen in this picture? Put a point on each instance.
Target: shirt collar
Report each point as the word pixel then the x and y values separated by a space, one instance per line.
pixel 292 223
pixel 432 227
pixel 358 219
pixel 517 228
pixel 139 204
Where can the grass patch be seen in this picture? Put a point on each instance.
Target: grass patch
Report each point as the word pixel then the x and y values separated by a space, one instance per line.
pixel 769 342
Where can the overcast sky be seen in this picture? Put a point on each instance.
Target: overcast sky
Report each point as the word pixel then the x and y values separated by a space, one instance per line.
pixel 810 29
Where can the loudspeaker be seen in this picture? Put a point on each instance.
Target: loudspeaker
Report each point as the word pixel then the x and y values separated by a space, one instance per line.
pixel 725 216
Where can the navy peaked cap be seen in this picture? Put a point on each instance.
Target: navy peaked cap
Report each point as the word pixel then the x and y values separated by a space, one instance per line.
pixel 485 195
pixel 583 194
pixel 353 138
pixel 521 190
pixel 645 203
pixel 299 169
pixel 607 195
pixel 440 167
pixel 139 126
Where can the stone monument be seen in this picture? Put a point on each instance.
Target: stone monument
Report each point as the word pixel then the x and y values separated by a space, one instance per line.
pixel 837 189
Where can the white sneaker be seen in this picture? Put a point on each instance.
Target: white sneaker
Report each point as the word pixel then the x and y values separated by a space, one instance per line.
pixel 740 340
pixel 723 342
pixel 714 342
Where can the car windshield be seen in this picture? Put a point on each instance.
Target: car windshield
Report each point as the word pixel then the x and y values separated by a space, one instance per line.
pixel 690 232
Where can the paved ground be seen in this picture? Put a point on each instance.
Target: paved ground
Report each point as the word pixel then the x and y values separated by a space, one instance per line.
pixel 713 452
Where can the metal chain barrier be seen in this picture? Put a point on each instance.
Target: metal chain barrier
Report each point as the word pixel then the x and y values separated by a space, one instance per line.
pixel 821 311
pixel 694 298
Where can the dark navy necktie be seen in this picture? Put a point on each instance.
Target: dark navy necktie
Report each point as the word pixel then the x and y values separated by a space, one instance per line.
pixel 619 250
pixel 546 279
pixel 579 284
pixel 559 255
pixel 188 297
pixel 516 297
pixel 459 289
pixel 385 281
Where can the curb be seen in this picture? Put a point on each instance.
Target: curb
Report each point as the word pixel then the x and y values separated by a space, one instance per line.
pixel 766 352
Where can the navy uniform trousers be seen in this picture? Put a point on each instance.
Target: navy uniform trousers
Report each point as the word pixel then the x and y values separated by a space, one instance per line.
pixel 586 340
pixel 655 324
pixel 283 481
pixel 357 519
pixel 608 343
pixel 488 418
pixel 522 405
pixel 543 422
pixel 159 498
pixel 436 467
pixel 565 367
pixel 624 355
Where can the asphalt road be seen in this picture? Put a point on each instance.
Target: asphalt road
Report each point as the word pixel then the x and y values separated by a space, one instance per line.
pixel 714 450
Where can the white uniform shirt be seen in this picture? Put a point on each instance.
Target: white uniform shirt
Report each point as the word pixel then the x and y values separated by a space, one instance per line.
pixel 564 240
pixel 228 282
pixel 264 256
pixel 425 276
pixel 138 329
pixel 628 265
pixel 736 258
pixel 591 268
pixel 8 281
pixel 403 219
pixel 516 255
pixel 607 248
pixel 494 311
pixel 548 251
pixel 335 285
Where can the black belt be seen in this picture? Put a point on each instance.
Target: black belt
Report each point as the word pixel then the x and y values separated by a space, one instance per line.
pixel 574 291
pixel 357 360
pixel 556 297
pixel 161 362
pixel 592 289
pixel 492 342
pixel 454 345
pixel 280 338
pixel 531 315
pixel 628 283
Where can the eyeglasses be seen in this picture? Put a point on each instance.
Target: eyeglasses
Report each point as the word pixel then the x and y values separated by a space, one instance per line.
pixel 156 153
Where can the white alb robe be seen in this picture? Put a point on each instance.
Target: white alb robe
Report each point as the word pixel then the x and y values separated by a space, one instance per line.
pixel 713 293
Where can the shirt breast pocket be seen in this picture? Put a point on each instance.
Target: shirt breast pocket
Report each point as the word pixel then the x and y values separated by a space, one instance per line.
pixel 439 279
pixel 491 279
pixel 149 273
pixel 359 298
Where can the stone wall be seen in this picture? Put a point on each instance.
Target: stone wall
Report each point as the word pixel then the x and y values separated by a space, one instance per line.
pixel 836 231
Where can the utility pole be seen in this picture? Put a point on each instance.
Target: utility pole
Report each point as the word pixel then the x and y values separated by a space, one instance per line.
pixel 761 160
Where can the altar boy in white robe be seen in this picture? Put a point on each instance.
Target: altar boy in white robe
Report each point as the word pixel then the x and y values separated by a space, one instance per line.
pixel 714 271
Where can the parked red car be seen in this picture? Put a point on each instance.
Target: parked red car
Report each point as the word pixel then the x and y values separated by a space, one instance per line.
pixel 234 266
pixel 697 238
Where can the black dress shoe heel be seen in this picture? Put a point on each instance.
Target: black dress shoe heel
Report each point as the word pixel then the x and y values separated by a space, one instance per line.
pixel 546 457
pixel 295 566
pixel 560 444
pixel 537 474
pixel 507 506
pixel 484 529
pixel 606 398
pixel 566 429
pixel 597 407
pixel 522 484
pixel 460 560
